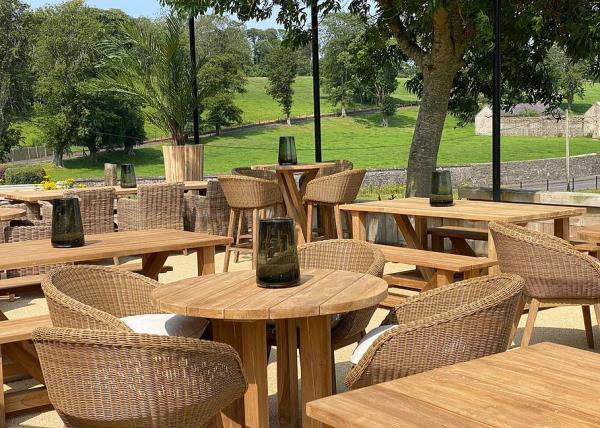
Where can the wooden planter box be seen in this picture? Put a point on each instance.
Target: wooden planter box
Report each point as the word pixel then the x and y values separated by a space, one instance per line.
pixel 183 163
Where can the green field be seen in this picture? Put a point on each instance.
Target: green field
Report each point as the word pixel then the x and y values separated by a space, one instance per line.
pixel 359 139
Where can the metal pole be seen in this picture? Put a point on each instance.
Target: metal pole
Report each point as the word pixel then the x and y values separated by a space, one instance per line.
pixel 196 115
pixel 567 149
pixel 496 106
pixel 314 18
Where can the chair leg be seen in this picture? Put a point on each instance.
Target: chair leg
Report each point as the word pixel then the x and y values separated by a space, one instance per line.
pixel 326 220
pixel 337 213
pixel 534 305
pixel 597 310
pixel 230 229
pixel 309 221
pixel 515 326
pixel 255 221
pixel 587 322
pixel 236 258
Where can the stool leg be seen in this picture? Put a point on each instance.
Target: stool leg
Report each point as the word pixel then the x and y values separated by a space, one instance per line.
pixel 236 259
pixel 338 221
pixel 326 220
pixel 255 221
pixel 230 231
pixel 309 221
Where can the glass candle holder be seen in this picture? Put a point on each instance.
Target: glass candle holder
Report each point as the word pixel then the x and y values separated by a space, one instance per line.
pixel 128 176
pixel 67 227
pixel 287 151
pixel 277 264
pixel 441 189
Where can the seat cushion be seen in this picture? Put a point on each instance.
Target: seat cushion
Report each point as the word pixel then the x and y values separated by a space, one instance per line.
pixel 167 325
pixel 366 342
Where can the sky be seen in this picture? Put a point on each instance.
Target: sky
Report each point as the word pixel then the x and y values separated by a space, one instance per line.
pixel 137 8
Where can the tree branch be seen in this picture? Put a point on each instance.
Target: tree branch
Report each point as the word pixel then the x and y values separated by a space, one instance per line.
pixel 408 46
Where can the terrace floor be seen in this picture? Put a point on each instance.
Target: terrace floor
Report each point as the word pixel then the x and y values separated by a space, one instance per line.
pixel 560 325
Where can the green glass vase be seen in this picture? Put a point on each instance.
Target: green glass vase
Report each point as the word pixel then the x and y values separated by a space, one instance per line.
pixel 441 189
pixel 277 264
pixel 67 227
pixel 128 180
pixel 287 151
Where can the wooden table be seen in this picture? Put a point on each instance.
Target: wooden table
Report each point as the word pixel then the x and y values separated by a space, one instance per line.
pixel 590 234
pixel 153 245
pixel 34 196
pixel 239 310
pixel 419 208
pixel 545 385
pixel 291 193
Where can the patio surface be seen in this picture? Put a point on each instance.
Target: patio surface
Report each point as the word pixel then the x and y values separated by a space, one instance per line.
pixel 560 325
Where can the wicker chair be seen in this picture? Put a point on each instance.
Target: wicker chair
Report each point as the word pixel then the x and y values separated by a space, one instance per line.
pixel 555 272
pixel 98 297
pixel 341 165
pixel 458 322
pixel 332 191
pixel 109 379
pixel 208 213
pixel 159 206
pixel 97 209
pixel 247 193
pixel 256 173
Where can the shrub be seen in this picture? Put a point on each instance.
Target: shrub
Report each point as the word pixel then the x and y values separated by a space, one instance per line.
pixel 29 174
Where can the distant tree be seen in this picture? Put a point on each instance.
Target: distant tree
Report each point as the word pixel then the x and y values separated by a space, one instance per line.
pixel 16 25
pixel 262 42
pixel 568 75
pixel 281 67
pixel 222 111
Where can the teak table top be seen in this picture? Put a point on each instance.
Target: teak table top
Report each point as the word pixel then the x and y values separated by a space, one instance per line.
pixel 118 244
pixel 590 233
pixel 301 167
pixel 236 295
pixel 48 195
pixel 11 213
pixel 467 210
pixel 542 385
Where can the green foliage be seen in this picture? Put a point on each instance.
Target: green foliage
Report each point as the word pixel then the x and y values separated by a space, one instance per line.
pixel 568 76
pixel 528 112
pixel 222 111
pixel 29 174
pixel 282 66
pixel 154 68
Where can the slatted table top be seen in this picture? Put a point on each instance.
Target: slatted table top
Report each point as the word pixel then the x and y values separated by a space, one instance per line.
pixel 236 295
pixel 542 385
pixel 118 244
pixel 11 213
pixel 48 195
pixel 467 210
pixel 301 167
pixel 590 233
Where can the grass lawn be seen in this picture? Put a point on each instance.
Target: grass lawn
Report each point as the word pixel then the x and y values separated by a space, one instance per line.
pixel 359 139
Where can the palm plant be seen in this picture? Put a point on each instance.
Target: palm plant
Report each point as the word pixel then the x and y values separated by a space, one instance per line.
pixel 154 66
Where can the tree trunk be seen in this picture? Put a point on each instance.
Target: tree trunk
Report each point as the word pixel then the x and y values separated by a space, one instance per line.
pixel 343 111
pixel 288 119
pixel 218 131
pixel 93 153
pixel 129 150
pixel 437 85
pixel 58 158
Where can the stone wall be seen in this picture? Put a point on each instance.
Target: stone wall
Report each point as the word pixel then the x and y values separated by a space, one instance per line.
pixel 587 125
pixel 511 172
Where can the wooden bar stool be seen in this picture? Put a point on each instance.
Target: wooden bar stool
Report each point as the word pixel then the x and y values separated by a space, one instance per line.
pixel 247 193
pixel 332 191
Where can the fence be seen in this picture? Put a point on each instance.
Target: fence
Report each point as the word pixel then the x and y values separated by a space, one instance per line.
pixel 573 184
pixel 28 153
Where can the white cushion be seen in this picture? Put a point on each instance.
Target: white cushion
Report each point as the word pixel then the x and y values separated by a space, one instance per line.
pixel 167 325
pixel 366 342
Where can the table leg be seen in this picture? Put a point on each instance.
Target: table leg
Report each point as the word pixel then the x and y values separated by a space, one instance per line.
pixel 230 333
pixel 562 228
pixel 412 241
pixel 359 225
pixel 492 255
pixel 153 263
pixel 421 231
pixel 291 208
pixel 206 260
pixel 315 362
pixel 287 373
pixel 254 358
pixel 295 199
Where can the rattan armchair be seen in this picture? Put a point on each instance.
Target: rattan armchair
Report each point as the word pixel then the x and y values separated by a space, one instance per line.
pixel 247 193
pixel 159 206
pixel 332 191
pixel 110 379
pixel 555 272
pixel 458 322
pixel 208 213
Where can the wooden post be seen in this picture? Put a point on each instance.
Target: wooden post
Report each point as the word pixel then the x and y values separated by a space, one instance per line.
pixel 110 174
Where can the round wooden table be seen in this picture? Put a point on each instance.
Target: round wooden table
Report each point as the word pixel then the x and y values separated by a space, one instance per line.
pixel 590 234
pixel 239 310
pixel 291 193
